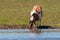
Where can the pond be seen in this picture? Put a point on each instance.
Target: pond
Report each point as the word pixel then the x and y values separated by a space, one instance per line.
pixel 26 35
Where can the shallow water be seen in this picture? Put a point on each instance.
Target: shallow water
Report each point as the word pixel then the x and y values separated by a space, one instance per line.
pixel 9 35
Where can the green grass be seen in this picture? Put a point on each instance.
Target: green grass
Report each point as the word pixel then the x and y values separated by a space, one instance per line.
pixel 17 11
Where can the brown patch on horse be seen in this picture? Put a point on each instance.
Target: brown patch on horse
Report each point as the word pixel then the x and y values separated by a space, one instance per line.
pixel 36 17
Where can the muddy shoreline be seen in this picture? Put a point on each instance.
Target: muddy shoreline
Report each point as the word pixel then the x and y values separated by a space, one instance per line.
pixel 5 26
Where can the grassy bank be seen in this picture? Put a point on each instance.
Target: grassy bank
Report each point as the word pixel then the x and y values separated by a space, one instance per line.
pixel 17 11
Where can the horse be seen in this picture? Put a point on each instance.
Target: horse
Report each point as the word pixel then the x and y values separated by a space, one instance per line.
pixel 35 18
pixel 36 14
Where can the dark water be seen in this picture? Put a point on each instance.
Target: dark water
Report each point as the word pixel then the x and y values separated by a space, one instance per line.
pixel 14 35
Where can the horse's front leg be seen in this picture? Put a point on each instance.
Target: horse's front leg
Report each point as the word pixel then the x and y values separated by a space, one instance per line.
pixel 35 26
